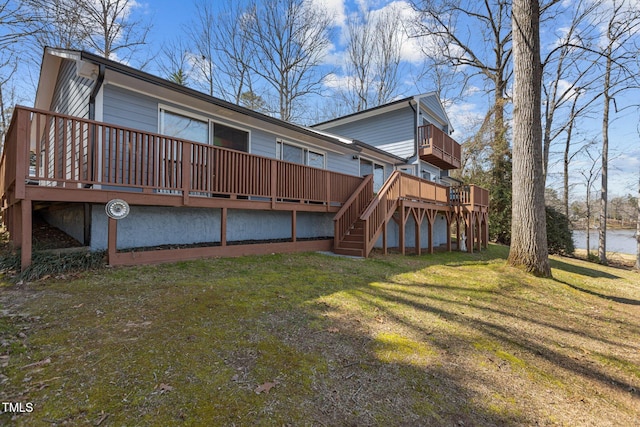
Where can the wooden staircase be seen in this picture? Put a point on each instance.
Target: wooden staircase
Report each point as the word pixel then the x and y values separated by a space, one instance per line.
pixel 353 242
pixel 364 217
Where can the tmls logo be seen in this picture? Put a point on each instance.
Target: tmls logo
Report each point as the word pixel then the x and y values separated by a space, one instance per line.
pixel 17 407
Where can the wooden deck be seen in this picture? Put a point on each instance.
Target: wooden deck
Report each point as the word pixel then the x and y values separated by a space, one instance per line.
pixel 52 158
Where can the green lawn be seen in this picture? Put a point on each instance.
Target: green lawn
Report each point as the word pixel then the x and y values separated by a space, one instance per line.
pixel 309 339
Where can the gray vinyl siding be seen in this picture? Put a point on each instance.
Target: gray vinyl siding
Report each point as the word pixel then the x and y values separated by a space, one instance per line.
pixel 71 94
pixel 130 109
pixel 71 97
pixel 343 163
pixel 434 107
pixel 393 132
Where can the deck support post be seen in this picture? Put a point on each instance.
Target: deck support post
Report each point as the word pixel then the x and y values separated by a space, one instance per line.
pixel 448 218
pixel 384 238
pixel 479 232
pixel 26 227
pixel 416 215
pixel 223 227
pixel 294 218
pixel 431 218
pixel 469 222
pixel 486 230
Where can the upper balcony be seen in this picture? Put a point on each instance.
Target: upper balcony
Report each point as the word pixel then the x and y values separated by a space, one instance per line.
pixel 438 148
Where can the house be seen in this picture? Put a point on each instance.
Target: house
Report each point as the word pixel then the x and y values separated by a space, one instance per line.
pixel 202 177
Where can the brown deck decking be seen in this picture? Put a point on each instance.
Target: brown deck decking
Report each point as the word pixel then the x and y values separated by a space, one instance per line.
pixel 52 158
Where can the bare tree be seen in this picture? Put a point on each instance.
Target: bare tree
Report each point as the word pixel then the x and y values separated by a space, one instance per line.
pixel 57 23
pixel 16 24
pixel 110 28
pixel 621 22
pixel 482 45
pixel 175 62
pixel 373 57
pixel 222 49
pixel 528 232
pixel 568 73
pixel 590 175
pixel 387 50
pixel 289 40
pixel 107 27
pixel 359 61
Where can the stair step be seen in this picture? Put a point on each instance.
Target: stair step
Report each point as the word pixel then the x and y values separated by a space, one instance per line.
pixel 351 244
pixel 348 251
pixel 354 237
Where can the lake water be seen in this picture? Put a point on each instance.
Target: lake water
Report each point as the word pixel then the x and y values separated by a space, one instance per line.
pixel 622 241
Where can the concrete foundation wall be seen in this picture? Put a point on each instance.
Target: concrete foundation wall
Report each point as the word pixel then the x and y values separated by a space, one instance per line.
pixel 154 226
pixel 69 219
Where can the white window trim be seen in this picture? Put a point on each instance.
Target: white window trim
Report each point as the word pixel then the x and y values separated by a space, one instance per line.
pixel 211 122
pixel 305 149
pixel 373 162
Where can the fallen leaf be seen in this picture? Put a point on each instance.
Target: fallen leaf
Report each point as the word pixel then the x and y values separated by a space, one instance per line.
pixel 265 387
pixel 164 387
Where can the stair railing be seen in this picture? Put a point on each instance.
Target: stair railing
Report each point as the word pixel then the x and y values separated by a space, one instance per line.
pixel 351 209
pixel 380 210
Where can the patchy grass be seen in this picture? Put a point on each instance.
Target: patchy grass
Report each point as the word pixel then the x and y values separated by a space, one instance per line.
pixel 309 339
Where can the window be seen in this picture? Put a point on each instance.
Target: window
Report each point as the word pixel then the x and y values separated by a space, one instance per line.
pixel 186 127
pixel 315 159
pixel 228 137
pixel 183 127
pixel 296 154
pixel 368 167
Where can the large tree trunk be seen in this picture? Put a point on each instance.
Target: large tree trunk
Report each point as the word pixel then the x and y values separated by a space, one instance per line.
pixel 528 229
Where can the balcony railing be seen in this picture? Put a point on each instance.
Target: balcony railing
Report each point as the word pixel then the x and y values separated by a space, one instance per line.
pixel 53 150
pixel 438 148
pixel 470 196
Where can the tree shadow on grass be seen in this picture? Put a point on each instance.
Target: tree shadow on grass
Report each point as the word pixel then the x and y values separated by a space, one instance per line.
pixel 620 300
pixel 584 271
pixel 501 332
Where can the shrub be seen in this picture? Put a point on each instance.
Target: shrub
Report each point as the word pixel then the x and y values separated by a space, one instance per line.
pixel 46 263
pixel 559 235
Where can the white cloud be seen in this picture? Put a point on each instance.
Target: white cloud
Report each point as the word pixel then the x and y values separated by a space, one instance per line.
pixel 335 8
pixel 334 81
pixel 465 118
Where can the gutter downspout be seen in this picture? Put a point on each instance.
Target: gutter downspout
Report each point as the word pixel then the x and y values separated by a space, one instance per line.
pixel 415 136
pixel 92 116
pixel 94 92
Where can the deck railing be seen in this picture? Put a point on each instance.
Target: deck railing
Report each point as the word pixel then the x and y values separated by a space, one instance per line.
pixel 399 186
pixel 442 145
pixel 65 151
pixel 470 195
